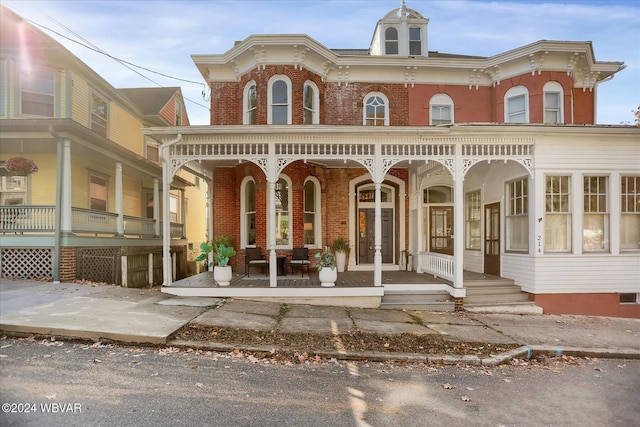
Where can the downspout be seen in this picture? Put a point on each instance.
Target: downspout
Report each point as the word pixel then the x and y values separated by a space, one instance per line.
pixel 166 225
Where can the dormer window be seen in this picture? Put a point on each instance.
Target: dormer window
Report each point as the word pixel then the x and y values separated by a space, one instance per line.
pixel 391 41
pixel 415 42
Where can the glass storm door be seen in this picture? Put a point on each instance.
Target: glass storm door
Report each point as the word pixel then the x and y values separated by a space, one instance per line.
pixel 492 239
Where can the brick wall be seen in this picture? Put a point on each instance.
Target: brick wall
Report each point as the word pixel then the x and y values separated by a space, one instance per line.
pixel 68 264
pixel 408 106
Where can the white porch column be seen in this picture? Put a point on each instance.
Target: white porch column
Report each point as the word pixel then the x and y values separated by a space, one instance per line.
pixel 458 221
pixel 119 204
pixel 377 257
pixel 167 264
pixel 273 271
pixel 156 206
pixel 66 211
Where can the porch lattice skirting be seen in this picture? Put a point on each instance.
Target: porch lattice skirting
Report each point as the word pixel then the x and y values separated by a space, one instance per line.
pixel 27 263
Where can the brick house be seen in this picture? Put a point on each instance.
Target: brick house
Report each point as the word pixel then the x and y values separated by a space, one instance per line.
pixel 430 162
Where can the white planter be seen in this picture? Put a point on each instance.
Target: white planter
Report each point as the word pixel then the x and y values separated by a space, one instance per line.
pixel 222 275
pixel 341 261
pixel 328 276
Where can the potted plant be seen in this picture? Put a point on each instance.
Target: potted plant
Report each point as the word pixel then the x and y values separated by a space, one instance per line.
pixel 327 271
pixel 341 248
pixel 20 166
pixel 222 251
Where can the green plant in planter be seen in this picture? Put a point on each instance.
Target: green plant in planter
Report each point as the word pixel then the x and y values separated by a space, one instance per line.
pixel 340 244
pixel 325 259
pixel 221 248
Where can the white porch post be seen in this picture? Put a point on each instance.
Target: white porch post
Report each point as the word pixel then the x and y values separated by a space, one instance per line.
pixel 377 258
pixel 273 273
pixel 272 179
pixel 156 206
pixel 119 208
pixel 167 265
pixel 67 219
pixel 458 221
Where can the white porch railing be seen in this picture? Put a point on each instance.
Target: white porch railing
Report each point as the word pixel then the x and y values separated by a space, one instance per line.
pixel 440 265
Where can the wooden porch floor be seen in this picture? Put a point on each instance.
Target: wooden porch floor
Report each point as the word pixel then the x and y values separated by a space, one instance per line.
pixel 346 279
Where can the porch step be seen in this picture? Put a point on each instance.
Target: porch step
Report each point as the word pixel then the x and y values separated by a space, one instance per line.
pixel 507 308
pixel 417 300
pixel 494 292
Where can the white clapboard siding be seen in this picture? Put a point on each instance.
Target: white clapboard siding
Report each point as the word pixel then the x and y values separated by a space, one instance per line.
pixel 589 153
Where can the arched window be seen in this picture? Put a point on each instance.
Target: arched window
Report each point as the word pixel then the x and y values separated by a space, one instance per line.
pixel 376 110
pixel 440 110
pixel 279 100
pixel 391 41
pixel 249 104
pixel 311 103
pixel 516 105
pixel 248 212
pixel 415 41
pixel 553 96
pixel 312 212
pixel 283 209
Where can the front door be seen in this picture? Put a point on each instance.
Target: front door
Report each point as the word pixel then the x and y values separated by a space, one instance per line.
pixel 492 239
pixel 366 235
pixel 441 229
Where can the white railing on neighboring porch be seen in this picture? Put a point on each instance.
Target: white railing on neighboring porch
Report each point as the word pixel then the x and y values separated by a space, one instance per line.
pixel 440 265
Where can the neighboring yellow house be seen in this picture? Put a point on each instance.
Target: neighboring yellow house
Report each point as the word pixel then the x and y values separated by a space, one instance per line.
pixel 90 205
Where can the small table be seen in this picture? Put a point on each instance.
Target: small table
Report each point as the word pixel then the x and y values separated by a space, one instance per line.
pixel 281 265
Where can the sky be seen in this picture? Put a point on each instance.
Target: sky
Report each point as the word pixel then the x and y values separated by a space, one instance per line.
pixel 161 36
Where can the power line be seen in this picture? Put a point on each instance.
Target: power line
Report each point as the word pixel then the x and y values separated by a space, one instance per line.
pixel 88 45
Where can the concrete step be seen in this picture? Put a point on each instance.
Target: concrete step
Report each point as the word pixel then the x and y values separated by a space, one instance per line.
pixel 522 308
pixel 497 298
pixel 494 290
pixel 416 299
pixel 488 282
pixel 434 306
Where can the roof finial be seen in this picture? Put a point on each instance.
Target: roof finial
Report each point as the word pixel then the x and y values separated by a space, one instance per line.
pixel 403 9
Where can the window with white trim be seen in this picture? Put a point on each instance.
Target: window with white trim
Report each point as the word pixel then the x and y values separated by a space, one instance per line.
pixel 98 192
pixel 516 105
pixel 279 100
pixel 173 208
pixel 630 210
pixel 473 211
pixel 99 114
pixel 440 110
pixel 13 188
pixel 518 215
pixel 178 108
pixel 37 93
pixel 415 41
pixel 553 96
pixel 250 104
pixel 311 212
pixel 391 41
pixel 595 222
pixel 557 218
pixel 311 103
pixel 248 212
pixel 376 110
pixel 283 207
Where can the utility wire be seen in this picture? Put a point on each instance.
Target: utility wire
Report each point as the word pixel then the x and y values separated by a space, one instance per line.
pixel 87 44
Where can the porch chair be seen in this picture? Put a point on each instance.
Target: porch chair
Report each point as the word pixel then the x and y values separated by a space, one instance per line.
pixel 254 258
pixel 300 259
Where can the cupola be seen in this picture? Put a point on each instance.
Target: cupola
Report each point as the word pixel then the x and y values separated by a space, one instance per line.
pixel 402 32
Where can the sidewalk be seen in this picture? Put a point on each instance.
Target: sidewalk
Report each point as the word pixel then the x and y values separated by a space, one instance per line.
pixel 144 316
